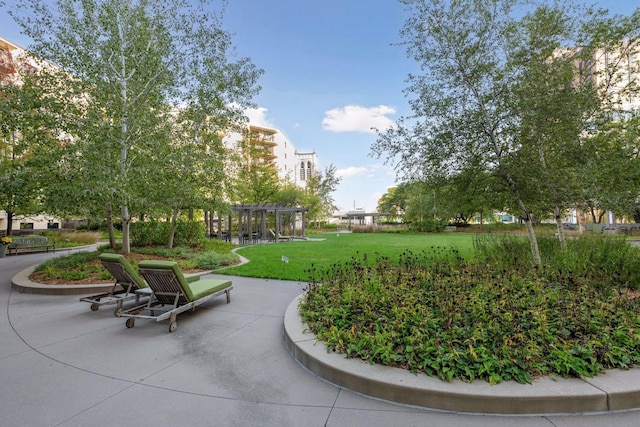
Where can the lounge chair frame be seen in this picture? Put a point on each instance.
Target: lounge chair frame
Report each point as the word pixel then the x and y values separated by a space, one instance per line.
pixel 168 298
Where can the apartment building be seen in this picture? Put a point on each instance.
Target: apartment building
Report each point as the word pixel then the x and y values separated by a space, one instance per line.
pixel 616 70
pixel 276 148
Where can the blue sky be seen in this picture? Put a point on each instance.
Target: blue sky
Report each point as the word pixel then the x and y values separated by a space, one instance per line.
pixel 333 69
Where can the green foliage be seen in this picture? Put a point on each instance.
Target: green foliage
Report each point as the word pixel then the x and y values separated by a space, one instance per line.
pixel 132 153
pixel 429 225
pixel 394 201
pixel 504 109
pixel 150 233
pixel 256 180
pixel 369 228
pixel 318 192
pixel 84 265
pixel 455 198
pixel 179 252
pixel 72 267
pixel 217 245
pixel 156 233
pixel 30 131
pixel 212 260
pixel 439 313
pixel 190 233
pixel 63 239
pixel 604 260
pixel 72 260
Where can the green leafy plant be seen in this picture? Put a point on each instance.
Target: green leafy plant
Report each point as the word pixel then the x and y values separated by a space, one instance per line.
pixel 212 260
pixel 492 317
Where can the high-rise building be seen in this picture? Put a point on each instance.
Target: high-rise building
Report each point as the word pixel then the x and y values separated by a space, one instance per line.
pixel 273 146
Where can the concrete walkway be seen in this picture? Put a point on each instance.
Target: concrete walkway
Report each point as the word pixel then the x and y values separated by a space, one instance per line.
pixel 226 365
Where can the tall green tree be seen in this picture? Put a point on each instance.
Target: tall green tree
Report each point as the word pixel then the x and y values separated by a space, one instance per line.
pixel 483 97
pixel 394 202
pixel 461 102
pixel 556 101
pixel 611 172
pixel 464 195
pixel 256 176
pixel 31 135
pixel 135 63
pixel 318 193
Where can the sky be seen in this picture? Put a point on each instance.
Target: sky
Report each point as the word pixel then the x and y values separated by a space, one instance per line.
pixel 333 70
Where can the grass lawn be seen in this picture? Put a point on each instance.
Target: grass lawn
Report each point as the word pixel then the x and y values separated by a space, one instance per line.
pixel 266 259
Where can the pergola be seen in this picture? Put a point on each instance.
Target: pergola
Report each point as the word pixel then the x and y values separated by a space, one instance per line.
pixel 252 220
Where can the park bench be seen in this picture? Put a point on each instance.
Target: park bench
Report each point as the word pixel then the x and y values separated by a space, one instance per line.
pixel 31 243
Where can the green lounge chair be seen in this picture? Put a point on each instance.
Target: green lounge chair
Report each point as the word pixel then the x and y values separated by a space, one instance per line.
pixel 280 236
pixel 128 285
pixel 172 294
pixel 128 281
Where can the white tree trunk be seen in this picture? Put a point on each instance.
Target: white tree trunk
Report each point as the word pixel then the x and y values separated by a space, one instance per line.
pixel 561 236
pixel 126 244
pixel 172 229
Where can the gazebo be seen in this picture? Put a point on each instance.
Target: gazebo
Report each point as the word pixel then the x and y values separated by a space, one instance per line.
pixel 252 220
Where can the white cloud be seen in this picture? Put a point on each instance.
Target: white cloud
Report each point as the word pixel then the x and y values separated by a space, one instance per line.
pixel 258 117
pixel 350 172
pixel 355 118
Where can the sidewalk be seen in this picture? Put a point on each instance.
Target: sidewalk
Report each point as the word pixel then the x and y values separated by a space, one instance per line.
pixel 227 365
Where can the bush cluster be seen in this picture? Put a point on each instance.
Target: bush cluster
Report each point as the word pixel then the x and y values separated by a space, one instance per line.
pixel 428 226
pixel 80 266
pixel 496 317
pixel 156 233
pixel 66 238
pixel 74 267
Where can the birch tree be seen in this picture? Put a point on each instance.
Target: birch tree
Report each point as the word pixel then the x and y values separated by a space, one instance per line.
pixel 556 100
pixel 135 62
pixel 481 100
pixel 461 102
pixel 318 193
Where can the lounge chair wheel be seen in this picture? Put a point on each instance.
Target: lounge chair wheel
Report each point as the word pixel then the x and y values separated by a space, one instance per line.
pixel 95 306
pixel 173 326
pixel 118 312
pixel 130 322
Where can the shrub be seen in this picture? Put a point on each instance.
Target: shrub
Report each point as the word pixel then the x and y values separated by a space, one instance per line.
pixel 63 238
pixel 69 261
pixel 212 260
pixel 156 233
pixel 72 267
pixel 495 317
pixel 151 233
pixel 369 228
pixel 219 246
pixel 162 251
pixel 428 226
pixel 607 260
